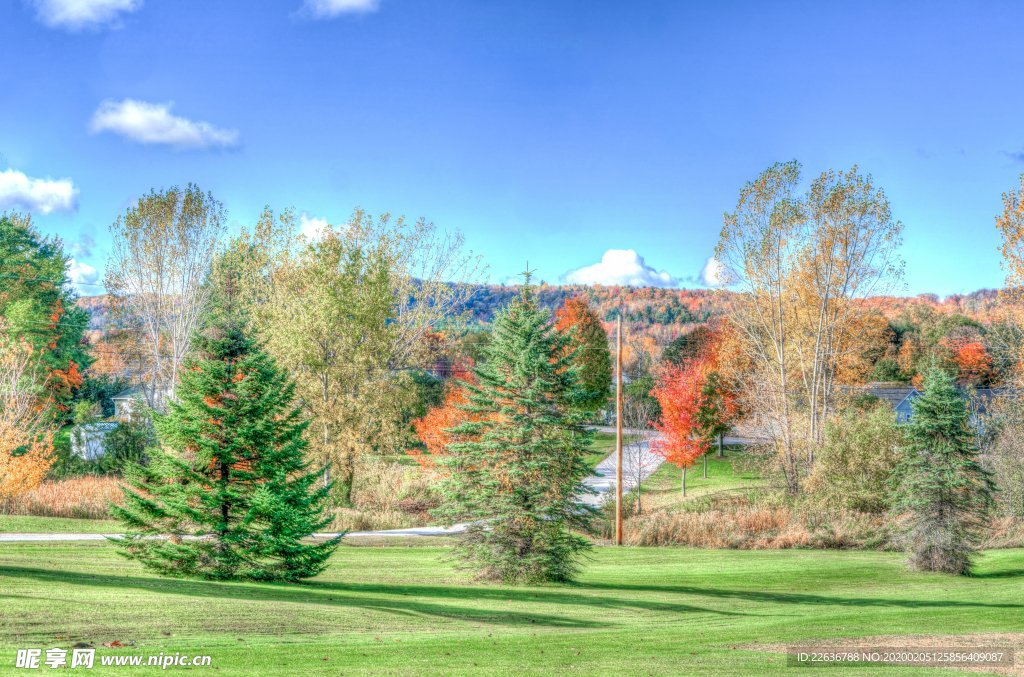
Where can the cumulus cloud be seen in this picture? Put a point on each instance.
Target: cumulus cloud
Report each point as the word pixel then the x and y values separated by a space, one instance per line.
pixel 74 15
pixel 82 273
pixel 153 123
pixel 713 274
pixel 41 196
pixel 621 267
pixel 312 227
pixel 330 9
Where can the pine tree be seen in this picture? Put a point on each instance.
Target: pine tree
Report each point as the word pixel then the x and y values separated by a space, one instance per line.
pixel 942 490
pixel 228 494
pixel 518 465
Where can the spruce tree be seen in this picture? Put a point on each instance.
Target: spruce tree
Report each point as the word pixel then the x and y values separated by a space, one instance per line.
pixel 942 491
pixel 518 465
pixel 227 494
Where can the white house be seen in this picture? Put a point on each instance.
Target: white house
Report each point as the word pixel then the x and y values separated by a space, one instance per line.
pixel 87 440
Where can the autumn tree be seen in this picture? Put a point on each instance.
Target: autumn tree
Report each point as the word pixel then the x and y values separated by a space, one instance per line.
pixel 162 252
pixel 346 314
pixel 973 363
pixel 434 429
pixel 1010 224
pixel 800 261
pixel 679 393
pixel 26 437
pixel 589 342
pixel 517 474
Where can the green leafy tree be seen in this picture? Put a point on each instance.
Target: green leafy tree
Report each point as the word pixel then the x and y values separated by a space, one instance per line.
pixel 519 464
pixel 688 346
pixel 127 445
pixel 589 342
pixel 37 306
pixel 716 412
pixel 943 492
pixel 231 470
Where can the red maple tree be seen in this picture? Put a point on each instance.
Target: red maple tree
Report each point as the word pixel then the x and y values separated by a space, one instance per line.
pixel 679 392
pixel 696 406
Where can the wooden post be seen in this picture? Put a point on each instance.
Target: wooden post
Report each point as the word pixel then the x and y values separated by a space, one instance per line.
pixel 618 430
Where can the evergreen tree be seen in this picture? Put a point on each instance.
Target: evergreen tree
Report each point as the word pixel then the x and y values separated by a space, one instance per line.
pixel 518 465
pixel 229 485
pixel 942 490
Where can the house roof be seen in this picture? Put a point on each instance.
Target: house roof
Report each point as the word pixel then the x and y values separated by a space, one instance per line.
pixel 893 394
pixel 130 393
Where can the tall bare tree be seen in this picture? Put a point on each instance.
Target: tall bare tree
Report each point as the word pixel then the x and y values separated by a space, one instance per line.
pixel 802 261
pixel 163 249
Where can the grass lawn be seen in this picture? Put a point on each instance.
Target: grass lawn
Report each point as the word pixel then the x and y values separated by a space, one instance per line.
pixel 601 445
pixel 57 525
pixel 661 491
pixel 399 610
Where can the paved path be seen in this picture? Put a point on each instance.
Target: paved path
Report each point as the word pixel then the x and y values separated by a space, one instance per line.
pixel 638 461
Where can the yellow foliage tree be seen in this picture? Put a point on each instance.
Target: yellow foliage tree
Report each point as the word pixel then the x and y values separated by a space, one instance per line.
pixel 26 446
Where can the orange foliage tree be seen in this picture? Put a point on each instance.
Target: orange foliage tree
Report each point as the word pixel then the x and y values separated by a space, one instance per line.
pixel 973 363
pixel 697 403
pixel 432 428
pixel 679 393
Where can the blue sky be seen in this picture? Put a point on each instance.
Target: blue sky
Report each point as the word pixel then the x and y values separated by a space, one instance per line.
pixel 548 131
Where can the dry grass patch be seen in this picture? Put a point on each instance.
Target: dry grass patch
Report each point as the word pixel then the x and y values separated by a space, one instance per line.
pixel 87 497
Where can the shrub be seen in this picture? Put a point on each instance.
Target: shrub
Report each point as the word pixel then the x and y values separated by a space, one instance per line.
pixel 853 466
pixel 127 443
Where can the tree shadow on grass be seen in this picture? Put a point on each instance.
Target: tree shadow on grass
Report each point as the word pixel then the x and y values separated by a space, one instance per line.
pixel 797 598
pixel 296 594
pixel 527 595
pixel 1005 573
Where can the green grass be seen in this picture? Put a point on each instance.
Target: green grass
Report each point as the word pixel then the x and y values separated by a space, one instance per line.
pixel 393 610
pixel 601 445
pixel 57 525
pixel 661 491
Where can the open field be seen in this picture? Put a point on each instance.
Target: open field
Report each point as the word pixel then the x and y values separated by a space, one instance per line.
pixel 401 610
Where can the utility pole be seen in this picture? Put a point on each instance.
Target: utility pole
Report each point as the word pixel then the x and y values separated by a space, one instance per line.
pixel 618 430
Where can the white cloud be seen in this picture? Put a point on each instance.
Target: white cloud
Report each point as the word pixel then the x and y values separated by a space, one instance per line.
pixel 82 273
pixel 84 246
pixel 330 9
pixel 312 227
pixel 36 195
pixel 621 267
pixel 713 274
pixel 75 15
pixel 153 123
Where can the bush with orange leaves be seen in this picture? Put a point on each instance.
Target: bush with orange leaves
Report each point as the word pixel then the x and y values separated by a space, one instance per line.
pixel 432 428
pixel 26 445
